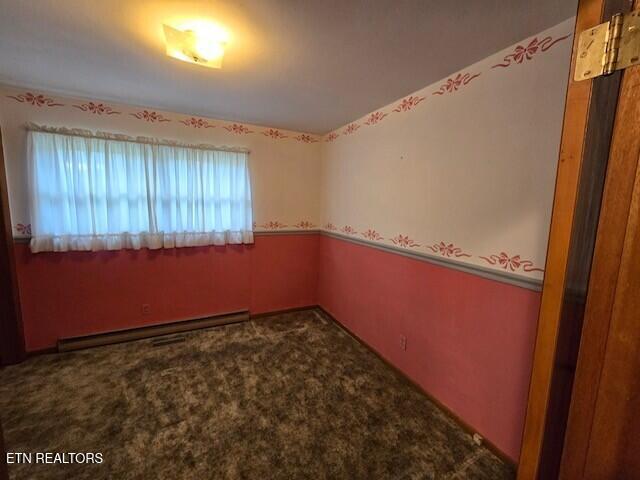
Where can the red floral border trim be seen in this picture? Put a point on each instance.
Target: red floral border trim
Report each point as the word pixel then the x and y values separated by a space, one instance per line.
pixel 38 100
pixel 303 137
pixel 274 133
pixel 514 263
pixel 408 103
pixel 274 225
pixel 197 123
pixel 331 226
pixel 371 234
pixel 278 225
pixel 23 228
pixel 237 128
pixel 351 128
pixel 447 250
pixel 375 117
pixel 150 116
pixel 304 224
pixel 454 83
pixel 97 108
pixel 404 241
pixel 535 46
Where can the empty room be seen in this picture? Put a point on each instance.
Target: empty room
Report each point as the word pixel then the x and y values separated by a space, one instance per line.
pixel 328 239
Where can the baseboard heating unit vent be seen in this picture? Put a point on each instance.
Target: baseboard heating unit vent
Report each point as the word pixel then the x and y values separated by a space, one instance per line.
pixel 119 336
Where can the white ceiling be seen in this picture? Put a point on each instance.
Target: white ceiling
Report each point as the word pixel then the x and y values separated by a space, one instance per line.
pixel 307 65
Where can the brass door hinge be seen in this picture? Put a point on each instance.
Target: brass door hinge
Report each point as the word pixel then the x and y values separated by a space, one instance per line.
pixel 608 47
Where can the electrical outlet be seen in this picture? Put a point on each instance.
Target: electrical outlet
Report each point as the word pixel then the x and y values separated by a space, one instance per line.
pixel 403 342
pixel 146 309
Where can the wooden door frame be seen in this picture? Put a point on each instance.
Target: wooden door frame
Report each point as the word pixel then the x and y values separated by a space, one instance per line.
pixel 609 329
pixel 584 152
pixel 12 348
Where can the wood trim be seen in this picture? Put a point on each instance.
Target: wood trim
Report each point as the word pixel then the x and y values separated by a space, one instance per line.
pixel 583 157
pixel 283 311
pixel 614 245
pixel 41 351
pixel 465 426
pixel 12 349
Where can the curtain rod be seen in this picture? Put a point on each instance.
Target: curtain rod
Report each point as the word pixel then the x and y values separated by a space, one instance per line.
pixel 78 132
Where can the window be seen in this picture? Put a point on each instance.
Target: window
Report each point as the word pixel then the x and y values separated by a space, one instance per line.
pixel 106 192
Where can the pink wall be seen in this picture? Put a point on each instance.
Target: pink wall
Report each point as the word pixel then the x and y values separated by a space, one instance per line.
pixel 284 272
pixel 469 339
pixel 80 293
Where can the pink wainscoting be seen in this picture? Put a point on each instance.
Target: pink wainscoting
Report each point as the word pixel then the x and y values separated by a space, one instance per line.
pixel 284 273
pixel 469 340
pixel 80 293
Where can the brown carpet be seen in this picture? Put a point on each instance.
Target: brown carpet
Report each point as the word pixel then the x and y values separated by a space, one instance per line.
pixel 284 397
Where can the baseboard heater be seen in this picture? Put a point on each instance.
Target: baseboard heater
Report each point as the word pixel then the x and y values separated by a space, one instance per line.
pixel 127 335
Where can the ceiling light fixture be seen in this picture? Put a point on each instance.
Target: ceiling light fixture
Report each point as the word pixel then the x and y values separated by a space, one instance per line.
pixel 199 42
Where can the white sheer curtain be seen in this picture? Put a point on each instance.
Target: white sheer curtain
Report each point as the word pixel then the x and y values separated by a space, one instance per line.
pixel 91 193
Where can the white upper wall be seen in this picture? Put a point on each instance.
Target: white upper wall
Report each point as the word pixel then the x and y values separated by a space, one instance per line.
pixel 472 164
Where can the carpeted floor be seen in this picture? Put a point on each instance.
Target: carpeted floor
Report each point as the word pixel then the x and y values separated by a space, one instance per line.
pixel 284 397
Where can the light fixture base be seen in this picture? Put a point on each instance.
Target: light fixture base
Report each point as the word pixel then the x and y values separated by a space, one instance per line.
pixel 193 47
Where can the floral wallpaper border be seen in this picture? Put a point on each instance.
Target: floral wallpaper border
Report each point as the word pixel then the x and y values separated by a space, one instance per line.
pixel 498 261
pixel 97 108
pixel 522 53
pixel 23 230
